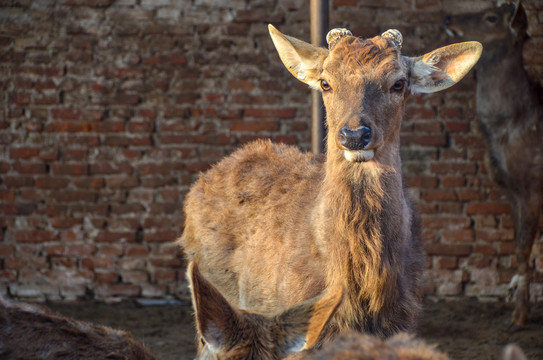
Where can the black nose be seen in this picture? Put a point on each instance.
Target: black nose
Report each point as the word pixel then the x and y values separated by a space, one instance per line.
pixel 355 139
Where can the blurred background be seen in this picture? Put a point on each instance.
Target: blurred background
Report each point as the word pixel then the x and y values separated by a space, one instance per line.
pixel 110 109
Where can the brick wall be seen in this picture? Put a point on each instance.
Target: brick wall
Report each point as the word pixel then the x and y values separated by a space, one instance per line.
pixel 110 109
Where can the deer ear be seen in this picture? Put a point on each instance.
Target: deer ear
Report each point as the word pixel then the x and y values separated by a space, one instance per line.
pixel 519 20
pixel 303 60
pixel 301 325
pixel 513 352
pixel 215 317
pixel 443 67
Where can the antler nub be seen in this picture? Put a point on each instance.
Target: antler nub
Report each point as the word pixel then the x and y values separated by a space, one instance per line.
pixel 395 36
pixel 334 35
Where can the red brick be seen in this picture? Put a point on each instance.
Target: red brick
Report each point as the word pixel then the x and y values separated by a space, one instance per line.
pixel 495 235
pixel 6 250
pixel 110 168
pixel 66 114
pixel 454 168
pixel 64 263
pixel 65 222
pixel 116 140
pixel 164 275
pixel 121 182
pixel 68 126
pixel 30 168
pixel 287 113
pixel 438 195
pixel 254 126
pixel 452 181
pixel 137 250
pixel 147 113
pixel 51 183
pixel 7 195
pixel 244 85
pixel 37 236
pixel 116 237
pixel 49 154
pixel 424 140
pixel 447 262
pixel 107 127
pixel 461 235
pixel 445 222
pixel 448 249
pixel 428 127
pixel 4 167
pixel 457 126
pixel 135 276
pixel 160 236
pixel 23 153
pixel 506 248
pixel 106 277
pixel 9 276
pixel 140 127
pixel 484 250
pixel 74 154
pixel 141 141
pixel 466 195
pixel 70 250
pixel 111 249
pixel 70 169
pixel 129 208
pixel 17 209
pixel 487 208
pixel 166 261
pixel 20 98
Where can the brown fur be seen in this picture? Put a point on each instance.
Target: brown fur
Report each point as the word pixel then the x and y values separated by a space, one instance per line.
pixel 354 346
pixel 29 331
pixel 271 227
pixel 227 333
pixel 511 119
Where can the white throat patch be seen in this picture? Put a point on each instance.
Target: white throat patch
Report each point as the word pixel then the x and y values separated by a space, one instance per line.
pixel 359 155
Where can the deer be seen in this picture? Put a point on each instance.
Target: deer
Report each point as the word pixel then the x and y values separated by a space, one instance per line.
pixel 356 346
pixel 226 332
pixel 401 346
pixel 32 331
pixel 271 226
pixel 509 114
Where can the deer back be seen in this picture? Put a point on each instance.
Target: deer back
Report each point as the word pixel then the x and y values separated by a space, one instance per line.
pixel 30 331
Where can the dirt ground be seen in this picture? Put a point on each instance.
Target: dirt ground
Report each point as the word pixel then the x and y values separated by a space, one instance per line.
pixel 465 329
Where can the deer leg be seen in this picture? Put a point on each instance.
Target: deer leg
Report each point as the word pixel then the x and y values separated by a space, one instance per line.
pixel 526 218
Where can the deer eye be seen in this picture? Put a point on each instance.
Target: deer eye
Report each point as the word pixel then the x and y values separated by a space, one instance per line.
pixel 398 86
pixel 491 19
pixel 325 86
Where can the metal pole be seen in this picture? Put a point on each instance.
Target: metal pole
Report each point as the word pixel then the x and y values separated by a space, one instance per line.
pixel 319 28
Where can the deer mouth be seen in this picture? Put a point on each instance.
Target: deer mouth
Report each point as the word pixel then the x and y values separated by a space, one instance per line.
pixel 359 155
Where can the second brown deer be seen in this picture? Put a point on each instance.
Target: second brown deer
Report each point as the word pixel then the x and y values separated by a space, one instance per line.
pixel 272 227
pixel 228 333
pixel 31 331
pixel 510 116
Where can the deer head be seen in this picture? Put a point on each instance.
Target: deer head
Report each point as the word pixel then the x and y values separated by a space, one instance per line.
pixel 502 25
pixel 230 333
pixel 365 83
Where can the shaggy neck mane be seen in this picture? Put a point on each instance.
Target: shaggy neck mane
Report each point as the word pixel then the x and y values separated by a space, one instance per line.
pixel 360 214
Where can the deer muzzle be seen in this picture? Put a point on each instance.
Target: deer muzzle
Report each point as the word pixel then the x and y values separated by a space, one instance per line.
pixel 355 143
